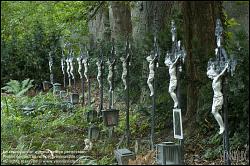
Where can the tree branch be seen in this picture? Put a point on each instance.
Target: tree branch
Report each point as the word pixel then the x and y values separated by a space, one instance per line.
pixel 96 10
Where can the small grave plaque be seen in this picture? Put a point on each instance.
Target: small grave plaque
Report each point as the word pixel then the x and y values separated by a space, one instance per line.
pixel 110 117
pixel 168 153
pixel 178 133
pixel 74 98
pixel 123 155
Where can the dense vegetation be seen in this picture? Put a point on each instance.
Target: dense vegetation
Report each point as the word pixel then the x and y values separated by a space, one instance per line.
pixel 29 30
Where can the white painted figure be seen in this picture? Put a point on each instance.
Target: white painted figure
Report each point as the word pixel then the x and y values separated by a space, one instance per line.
pixel 62 65
pixel 179 45
pixel 173 31
pixel 181 53
pixel 218 32
pixel 85 63
pixel 71 67
pixel 88 145
pixel 79 60
pixel 50 62
pixel 151 74
pixel 110 74
pixel 68 67
pixel 124 71
pixel 173 78
pixel 218 96
pixel 99 68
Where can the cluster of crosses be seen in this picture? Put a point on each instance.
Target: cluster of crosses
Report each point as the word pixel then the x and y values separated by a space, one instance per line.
pixel 174 60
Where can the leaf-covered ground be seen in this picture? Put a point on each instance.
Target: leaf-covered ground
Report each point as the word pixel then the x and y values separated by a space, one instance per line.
pixel 51 128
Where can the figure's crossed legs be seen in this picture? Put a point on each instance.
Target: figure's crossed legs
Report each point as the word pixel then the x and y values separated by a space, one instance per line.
pixel 219 120
pixel 172 87
pixel 217 105
pixel 149 82
pixel 124 81
pixel 174 97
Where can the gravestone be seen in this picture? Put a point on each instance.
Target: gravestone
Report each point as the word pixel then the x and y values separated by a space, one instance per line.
pixel 123 155
pixel 168 153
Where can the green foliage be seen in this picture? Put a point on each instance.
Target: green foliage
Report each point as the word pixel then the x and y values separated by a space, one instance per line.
pixel 18 88
pixel 237 46
pixel 138 123
pixel 30 29
pixel 85 160
pixel 237 140
pixel 239 87
pixel 106 160
pixel 232 22
pixel 34 132
pixel 213 153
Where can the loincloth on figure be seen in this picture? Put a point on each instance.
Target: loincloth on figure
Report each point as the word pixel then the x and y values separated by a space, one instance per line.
pixel 151 76
pixel 172 84
pixel 217 102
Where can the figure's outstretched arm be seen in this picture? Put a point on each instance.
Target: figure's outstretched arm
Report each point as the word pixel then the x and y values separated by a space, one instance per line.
pixel 113 62
pixel 127 57
pixel 223 71
pixel 176 60
pixel 173 64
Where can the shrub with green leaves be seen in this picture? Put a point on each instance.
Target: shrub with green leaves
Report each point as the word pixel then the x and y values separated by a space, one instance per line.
pixel 18 88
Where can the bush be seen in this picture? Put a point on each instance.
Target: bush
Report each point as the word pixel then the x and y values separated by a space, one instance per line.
pixel 18 88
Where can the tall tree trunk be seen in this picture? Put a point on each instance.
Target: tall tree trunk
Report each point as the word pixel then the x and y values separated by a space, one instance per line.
pixel 120 19
pixel 142 16
pixel 199 40
pixel 99 25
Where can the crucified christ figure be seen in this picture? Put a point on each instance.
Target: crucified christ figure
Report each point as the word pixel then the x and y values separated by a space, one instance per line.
pixel 110 74
pixel 151 73
pixel 85 63
pixel 173 78
pixel 218 96
pixel 99 68
pixel 79 60
pixel 124 72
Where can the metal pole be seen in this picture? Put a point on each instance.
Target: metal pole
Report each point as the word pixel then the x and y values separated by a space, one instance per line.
pixel 74 80
pixel 127 112
pixel 101 89
pixel 111 129
pixel 111 93
pixel 63 71
pixel 110 100
pixel 153 113
pixel 113 79
pixel 222 57
pixel 68 73
pixel 64 81
pixel 70 84
pixel 51 78
pixel 82 89
pixel 51 65
pixel 178 85
pixel 225 134
pixel 112 106
pixel 74 84
pixel 224 107
pixel 154 80
pixel 178 92
pixel 111 90
pixel 89 99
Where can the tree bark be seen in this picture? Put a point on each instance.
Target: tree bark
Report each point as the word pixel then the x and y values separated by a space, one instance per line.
pixel 99 25
pixel 120 19
pixel 143 14
pixel 199 40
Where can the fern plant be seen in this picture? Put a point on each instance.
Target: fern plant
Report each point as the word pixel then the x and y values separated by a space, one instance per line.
pixel 18 88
